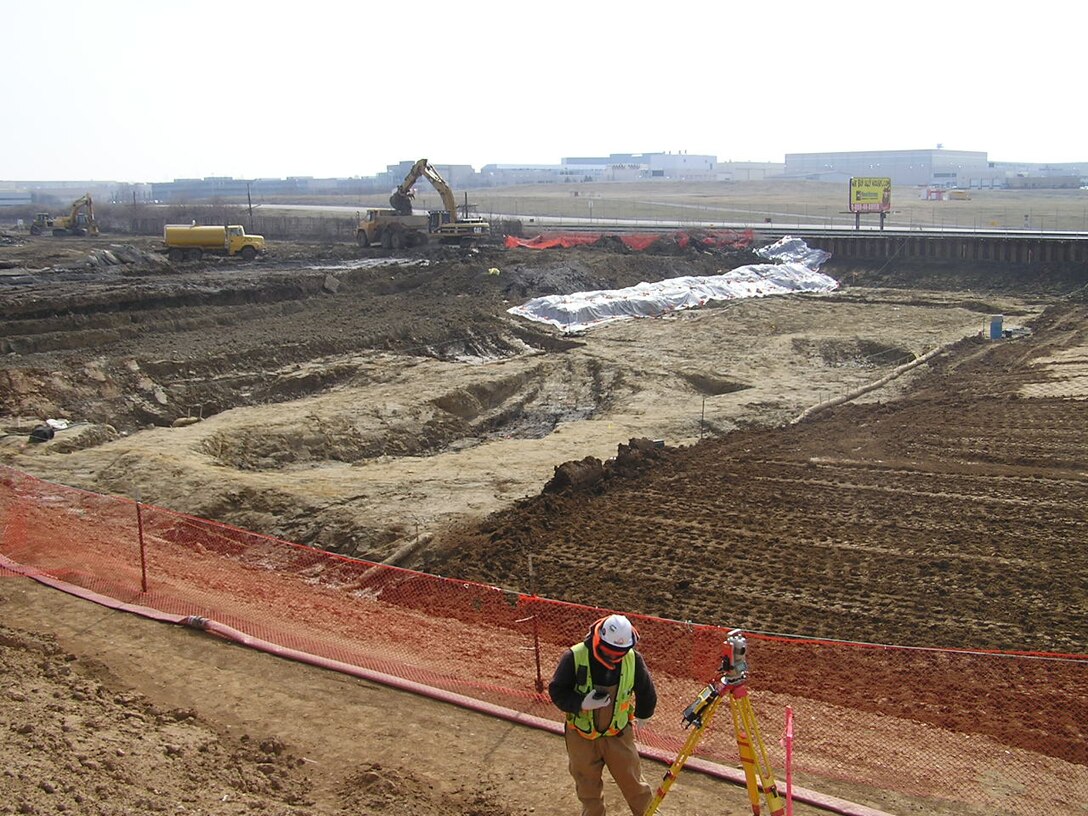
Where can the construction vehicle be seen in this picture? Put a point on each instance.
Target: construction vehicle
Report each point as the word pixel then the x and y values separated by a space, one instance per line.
pixel 384 227
pixel 77 222
pixel 398 226
pixel 190 242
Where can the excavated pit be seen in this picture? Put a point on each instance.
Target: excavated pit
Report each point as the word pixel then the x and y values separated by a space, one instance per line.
pixel 351 427
pixel 361 407
pixel 853 353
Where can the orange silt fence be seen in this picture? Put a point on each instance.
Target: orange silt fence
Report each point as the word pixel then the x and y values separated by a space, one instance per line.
pixel 984 732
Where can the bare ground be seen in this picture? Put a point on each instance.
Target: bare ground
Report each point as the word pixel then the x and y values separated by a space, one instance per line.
pixel 392 409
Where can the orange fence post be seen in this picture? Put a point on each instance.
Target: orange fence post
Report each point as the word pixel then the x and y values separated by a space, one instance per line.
pixel 787 743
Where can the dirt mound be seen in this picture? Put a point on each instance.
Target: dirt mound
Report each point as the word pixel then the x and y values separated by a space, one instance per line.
pixel 374 788
pixel 631 460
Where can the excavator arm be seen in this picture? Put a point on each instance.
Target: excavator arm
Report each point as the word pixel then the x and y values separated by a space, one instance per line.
pixel 439 183
pixel 401 200
pixel 79 204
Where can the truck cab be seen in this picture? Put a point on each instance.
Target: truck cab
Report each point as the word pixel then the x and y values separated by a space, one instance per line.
pixel 239 243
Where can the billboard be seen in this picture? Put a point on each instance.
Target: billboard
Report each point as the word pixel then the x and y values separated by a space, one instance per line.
pixel 870 195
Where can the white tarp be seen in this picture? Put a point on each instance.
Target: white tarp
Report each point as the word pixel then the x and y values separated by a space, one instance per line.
pixel 794 250
pixel 584 310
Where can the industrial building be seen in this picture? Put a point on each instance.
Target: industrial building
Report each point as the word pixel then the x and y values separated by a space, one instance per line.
pixel 15 198
pixel 962 169
pixel 681 166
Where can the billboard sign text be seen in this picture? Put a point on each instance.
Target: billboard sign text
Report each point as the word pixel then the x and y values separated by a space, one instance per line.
pixel 869 194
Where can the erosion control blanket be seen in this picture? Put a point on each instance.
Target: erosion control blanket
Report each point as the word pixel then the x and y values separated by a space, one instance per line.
pixel 584 310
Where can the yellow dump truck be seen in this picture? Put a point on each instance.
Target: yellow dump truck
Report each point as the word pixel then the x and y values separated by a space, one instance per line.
pixel 384 227
pixel 189 242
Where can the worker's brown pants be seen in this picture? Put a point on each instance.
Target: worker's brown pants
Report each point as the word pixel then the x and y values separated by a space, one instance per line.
pixel 588 759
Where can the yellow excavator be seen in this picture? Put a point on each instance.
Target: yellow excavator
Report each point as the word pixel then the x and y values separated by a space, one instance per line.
pixel 399 227
pixel 77 222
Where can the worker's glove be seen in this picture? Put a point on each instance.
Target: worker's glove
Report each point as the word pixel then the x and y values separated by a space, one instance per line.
pixel 595 699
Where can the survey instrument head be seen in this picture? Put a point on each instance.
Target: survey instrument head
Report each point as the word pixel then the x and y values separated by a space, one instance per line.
pixel 734 657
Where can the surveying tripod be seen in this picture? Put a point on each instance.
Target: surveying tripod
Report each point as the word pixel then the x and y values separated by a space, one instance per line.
pixel 732 684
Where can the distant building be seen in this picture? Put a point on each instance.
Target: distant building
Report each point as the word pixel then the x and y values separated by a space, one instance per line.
pixel 748 171
pixel 595 168
pixel 1022 182
pixel 131 194
pixel 682 166
pixel 931 168
pixel 190 189
pixel 642 167
pixel 15 198
pixel 53 194
pixel 502 175
pixel 232 189
pixel 927 168
pixel 1040 176
pixel 456 175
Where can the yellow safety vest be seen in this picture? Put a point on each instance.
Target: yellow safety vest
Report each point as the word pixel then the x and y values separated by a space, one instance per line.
pixel 584 722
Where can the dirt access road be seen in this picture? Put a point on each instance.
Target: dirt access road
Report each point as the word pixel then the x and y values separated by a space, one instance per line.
pixel 382 407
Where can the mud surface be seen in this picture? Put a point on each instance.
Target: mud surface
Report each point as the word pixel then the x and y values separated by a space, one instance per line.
pixel 389 408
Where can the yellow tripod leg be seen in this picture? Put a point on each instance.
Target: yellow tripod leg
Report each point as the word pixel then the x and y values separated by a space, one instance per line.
pixel 747 757
pixel 682 758
pixel 758 776
pixel 775 803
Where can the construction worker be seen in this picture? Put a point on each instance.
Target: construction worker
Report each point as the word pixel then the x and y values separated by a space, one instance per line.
pixel 603 686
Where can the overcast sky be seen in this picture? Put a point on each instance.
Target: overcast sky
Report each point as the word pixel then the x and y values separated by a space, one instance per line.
pixel 153 91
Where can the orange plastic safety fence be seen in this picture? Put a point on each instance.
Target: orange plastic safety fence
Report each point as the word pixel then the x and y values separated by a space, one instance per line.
pixel 982 732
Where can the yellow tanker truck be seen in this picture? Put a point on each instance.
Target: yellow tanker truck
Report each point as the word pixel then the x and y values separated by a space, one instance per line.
pixel 189 242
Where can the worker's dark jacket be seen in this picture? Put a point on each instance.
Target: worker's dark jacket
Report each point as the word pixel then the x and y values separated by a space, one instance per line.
pixel 567 699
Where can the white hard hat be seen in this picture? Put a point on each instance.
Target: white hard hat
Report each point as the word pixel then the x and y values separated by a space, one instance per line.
pixel 618 632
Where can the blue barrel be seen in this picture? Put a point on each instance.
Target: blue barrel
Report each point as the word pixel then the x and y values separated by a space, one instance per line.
pixel 996 326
